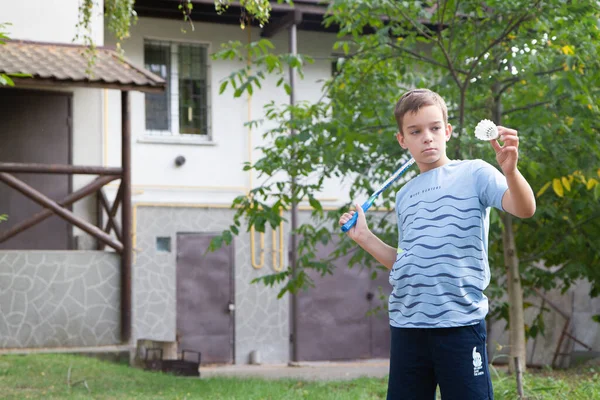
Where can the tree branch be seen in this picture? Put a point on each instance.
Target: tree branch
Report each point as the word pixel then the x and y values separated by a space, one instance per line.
pixel 441 15
pixel 559 239
pixel 420 57
pixel 450 64
pixel 540 73
pixel 503 35
pixel 440 43
pixel 451 38
pixel 533 105
pixel 510 82
pixel 339 72
pixel 410 20
pixel 375 127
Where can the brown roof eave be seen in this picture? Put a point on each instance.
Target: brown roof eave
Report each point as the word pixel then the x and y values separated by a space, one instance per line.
pixel 36 82
pixel 58 64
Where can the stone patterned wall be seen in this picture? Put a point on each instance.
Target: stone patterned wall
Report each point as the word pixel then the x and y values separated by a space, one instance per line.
pixel 577 303
pixel 261 320
pixel 59 298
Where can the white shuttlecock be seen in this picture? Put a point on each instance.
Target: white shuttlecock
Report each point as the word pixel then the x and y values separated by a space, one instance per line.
pixel 486 130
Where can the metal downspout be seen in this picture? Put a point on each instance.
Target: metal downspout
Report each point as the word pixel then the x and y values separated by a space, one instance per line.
pixel 294 208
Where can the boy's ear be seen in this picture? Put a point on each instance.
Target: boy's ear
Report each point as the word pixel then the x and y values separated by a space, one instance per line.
pixel 400 138
pixel 448 132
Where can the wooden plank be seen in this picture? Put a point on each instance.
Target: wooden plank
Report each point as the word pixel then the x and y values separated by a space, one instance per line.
pixel 44 201
pixel 32 168
pixel 111 212
pixel 67 201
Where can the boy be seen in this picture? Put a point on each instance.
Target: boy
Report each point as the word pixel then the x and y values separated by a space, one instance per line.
pixel 438 272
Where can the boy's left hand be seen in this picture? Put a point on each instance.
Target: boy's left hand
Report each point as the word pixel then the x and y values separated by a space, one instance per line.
pixel 507 155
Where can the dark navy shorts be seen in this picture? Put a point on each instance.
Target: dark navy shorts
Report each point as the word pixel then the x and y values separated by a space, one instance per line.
pixel 453 358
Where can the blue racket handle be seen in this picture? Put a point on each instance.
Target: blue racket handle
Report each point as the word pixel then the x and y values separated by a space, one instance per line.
pixel 348 225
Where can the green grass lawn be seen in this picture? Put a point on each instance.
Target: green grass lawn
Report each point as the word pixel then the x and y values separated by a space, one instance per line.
pixel 47 377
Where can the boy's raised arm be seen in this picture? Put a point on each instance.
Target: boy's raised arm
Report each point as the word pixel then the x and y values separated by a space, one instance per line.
pixel 519 199
pixel 366 239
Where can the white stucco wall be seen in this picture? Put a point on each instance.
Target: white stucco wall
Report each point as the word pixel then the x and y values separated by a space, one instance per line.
pixel 87 148
pixel 36 20
pixel 213 171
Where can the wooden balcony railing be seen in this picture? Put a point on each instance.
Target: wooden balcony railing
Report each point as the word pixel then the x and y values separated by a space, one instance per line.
pixel 123 231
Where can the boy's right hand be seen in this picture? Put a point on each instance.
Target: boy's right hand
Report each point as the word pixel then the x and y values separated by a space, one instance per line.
pixel 360 230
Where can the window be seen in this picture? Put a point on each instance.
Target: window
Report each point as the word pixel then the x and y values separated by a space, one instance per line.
pixel 184 108
pixel 163 244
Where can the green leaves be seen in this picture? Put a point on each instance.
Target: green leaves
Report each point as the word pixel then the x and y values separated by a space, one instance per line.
pixel 5 80
pixel 223 86
pixel 258 56
pixel 254 9
pixel 530 64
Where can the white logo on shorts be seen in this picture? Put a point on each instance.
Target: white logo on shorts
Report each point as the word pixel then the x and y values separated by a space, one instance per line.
pixel 477 363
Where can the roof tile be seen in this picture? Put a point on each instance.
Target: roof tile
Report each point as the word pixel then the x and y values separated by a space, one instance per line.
pixel 68 63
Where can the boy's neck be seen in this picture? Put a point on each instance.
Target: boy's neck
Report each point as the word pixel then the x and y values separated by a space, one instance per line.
pixel 423 167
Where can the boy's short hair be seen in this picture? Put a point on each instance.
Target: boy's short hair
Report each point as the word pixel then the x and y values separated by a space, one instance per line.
pixel 413 100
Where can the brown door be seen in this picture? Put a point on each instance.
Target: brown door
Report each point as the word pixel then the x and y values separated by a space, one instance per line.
pixel 205 298
pixel 333 319
pixel 35 129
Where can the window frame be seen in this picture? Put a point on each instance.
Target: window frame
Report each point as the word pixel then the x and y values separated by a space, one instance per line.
pixel 173 135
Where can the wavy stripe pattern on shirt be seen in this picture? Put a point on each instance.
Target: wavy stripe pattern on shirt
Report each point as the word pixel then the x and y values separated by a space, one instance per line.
pixel 441 268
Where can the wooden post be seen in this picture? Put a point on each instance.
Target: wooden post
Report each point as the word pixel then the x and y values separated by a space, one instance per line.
pixel 126 256
pixel 99 219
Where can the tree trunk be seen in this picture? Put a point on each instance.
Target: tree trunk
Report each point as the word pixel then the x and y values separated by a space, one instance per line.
pixel 515 297
pixel 516 314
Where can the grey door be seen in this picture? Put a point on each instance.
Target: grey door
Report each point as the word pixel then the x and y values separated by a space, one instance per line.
pixel 333 319
pixel 35 129
pixel 379 323
pixel 205 298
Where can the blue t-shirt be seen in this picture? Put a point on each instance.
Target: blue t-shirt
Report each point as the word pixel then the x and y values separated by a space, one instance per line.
pixel 442 265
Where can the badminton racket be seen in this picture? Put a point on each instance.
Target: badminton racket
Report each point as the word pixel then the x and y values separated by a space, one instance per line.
pixel 367 204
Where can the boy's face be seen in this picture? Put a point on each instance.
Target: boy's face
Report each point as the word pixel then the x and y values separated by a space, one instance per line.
pixel 425 134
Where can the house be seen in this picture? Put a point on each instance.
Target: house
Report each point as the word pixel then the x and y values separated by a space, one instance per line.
pixel 187 146
pixel 181 207
pixel 158 126
pixel 52 296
